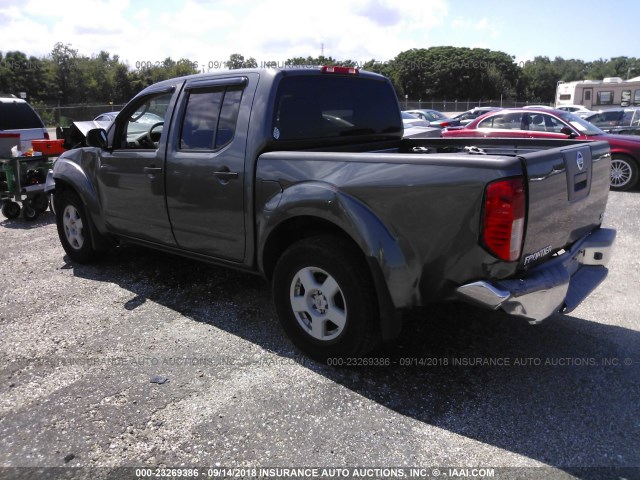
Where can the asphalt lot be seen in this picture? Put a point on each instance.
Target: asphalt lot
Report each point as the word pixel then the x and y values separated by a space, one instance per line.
pixel 80 344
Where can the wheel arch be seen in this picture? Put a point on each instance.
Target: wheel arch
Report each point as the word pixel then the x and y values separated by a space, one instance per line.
pixel 389 260
pixel 69 175
pixel 634 165
pixel 71 178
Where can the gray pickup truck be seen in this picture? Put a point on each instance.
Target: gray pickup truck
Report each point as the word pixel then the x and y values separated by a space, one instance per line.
pixel 302 176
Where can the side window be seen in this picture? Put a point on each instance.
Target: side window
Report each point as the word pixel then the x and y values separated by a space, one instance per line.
pixel 228 117
pixel 537 122
pixel 210 118
pixel 604 98
pixel 143 128
pixel 552 124
pixel 612 118
pixel 626 98
pixel 636 97
pixel 627 118
pixel 200 120
pixel 511 121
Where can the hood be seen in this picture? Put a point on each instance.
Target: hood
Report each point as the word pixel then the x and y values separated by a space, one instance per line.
pixel 75 135
pixel 631 140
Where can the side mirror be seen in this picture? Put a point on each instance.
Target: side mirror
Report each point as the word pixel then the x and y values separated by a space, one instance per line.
pixel 568 132
pixel 97 137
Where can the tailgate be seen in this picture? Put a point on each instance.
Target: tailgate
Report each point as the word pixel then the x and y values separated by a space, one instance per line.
pixel 567 195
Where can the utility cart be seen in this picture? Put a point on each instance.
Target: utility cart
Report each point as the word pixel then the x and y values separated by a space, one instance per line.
pixel 22 181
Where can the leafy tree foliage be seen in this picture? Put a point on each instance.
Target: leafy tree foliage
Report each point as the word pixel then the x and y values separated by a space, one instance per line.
pixel 238 61
pixel 456 73
pixel 437 73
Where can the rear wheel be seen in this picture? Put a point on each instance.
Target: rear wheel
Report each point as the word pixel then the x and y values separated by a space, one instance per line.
pixel 40 202
pixel 74 228
pixel 624 173
pixel 325 298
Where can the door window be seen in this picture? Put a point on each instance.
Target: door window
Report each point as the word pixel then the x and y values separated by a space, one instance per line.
pixel 508 121
pixel 546 123
pixel 210 119
pixel 144 126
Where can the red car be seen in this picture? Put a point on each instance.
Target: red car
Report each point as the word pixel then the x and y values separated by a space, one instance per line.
pixel 548 123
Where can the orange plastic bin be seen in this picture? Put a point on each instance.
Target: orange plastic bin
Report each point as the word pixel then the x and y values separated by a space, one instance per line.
pixel 48 147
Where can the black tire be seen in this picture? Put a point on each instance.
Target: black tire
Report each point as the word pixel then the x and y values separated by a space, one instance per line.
pixel 624 173
pixel 11 210
pixel 40 202
pixel 28 212
pixel 74 228
pixel 338 316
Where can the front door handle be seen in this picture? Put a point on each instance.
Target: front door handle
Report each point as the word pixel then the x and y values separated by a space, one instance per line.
pixel 152 170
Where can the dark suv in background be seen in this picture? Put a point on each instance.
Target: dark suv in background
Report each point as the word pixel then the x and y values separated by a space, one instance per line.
pixel 17 116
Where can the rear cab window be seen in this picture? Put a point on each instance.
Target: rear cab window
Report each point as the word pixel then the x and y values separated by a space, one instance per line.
pixel 333 108
pixel 18 116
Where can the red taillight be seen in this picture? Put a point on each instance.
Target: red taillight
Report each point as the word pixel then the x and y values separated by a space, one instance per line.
pixel 445 124
pixel 341 70
pixel 504 218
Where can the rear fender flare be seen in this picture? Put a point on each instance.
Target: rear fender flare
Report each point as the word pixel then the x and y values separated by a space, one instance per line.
pixel 391 260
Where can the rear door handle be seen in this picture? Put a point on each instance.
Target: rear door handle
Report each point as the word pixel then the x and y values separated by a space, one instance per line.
pixel 226 175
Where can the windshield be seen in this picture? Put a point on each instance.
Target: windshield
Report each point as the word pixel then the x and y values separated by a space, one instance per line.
pixel 584 127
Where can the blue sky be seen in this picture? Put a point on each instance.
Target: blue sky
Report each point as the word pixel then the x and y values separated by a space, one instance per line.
pixel 275 30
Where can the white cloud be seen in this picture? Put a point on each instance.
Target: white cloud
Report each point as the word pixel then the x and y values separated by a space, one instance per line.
pixel 360 30
pixel 462 23
pixel 269 30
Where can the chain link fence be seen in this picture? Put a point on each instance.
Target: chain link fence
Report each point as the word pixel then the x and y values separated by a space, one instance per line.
pixel 64 115
pixel 54 116
pixel 452 106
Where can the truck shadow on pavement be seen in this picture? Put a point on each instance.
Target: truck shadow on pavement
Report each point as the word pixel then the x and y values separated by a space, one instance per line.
pixel 565 393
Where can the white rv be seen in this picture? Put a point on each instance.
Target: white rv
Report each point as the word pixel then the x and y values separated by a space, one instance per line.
pixel 612 92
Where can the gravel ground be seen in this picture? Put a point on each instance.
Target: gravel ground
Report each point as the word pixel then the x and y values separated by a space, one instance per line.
pixel 149 360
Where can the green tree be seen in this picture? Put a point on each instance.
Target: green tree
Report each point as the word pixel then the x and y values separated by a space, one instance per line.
pixel 312 61
pixel 456 73
pixel 238 61
pixel 67 73
pixel 540 78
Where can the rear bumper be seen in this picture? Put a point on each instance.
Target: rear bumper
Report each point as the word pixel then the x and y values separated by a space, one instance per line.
pixel 558 285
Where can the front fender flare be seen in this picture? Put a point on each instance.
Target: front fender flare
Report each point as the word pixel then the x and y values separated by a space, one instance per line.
pixel 76 169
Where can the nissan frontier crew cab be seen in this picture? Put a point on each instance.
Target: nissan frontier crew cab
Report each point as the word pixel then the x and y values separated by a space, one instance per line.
pixel 302 176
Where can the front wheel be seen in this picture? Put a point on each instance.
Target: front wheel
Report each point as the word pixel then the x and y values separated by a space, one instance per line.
pixel 624 173
pixel 11 210
pixel 29 213
pixel 74 228
pixel 325 298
